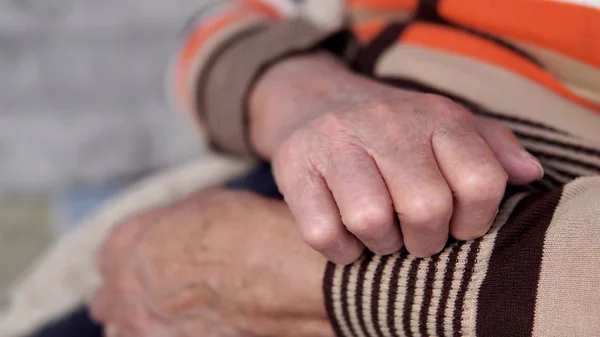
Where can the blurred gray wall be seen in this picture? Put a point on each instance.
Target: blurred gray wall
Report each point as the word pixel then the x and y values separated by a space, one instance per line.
pixel 81 90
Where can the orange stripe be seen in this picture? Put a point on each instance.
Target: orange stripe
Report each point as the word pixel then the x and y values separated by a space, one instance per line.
pixel 567 28
pixel 194 42
pixel 378 5
pixel 457 42
pixel 366 31
pixel 261 6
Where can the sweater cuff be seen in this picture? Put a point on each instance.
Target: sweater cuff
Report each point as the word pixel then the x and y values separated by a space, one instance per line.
pixel 223 90
pixel 484 287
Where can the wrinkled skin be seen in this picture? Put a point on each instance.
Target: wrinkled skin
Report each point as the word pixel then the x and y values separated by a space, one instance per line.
pixel 362 164
pixel 219 263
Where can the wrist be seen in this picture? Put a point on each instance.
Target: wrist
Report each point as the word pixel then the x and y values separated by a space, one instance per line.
pixel 295 91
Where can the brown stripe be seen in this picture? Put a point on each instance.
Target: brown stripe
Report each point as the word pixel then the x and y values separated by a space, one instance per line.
pixel 476 109
pixel 507 296
pixel 410 296
pixel 562 172
pixel 566 160
pixel 344 298
pixel 464 285
pixel 328 292
pixel 367 258
pixel 429 280
pixel 368 57
pixel 375 299
pixel 448 275
pixel 571 147
pixel 428 11
pixel 555 177
pixel 391 316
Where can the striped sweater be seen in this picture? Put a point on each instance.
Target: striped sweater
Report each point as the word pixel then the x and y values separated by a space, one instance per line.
pixel 532 65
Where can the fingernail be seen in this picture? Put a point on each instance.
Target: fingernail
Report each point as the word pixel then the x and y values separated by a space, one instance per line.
pixel 530 158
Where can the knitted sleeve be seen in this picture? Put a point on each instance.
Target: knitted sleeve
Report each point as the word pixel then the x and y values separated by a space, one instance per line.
pixel 227 46
pixel 536 273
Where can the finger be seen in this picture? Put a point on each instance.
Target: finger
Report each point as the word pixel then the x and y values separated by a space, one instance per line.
pixel 364 201
pixel 136 320
pixel 475 176
pixel 98 306
pixel 111 330
pixel 420 194
pixel 522 167
pixel 317 215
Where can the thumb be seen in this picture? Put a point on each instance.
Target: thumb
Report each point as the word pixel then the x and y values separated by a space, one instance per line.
pixel 521 166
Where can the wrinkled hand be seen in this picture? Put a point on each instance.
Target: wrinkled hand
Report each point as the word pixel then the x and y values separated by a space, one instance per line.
pixel 218 264
pixel 363 164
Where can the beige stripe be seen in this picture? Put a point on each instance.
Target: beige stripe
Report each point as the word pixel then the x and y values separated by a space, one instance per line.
pixel 555 150
pixel 437 290
pixel 336 294
pixel 419 293
pixel 569 168
pixel 456 280
pixel 385 291
pixel 401 293
pixel 368 293
pixel 550 135
pixel 469 315
pixel 489 86
pixel 351 295
pixel 584 79
pixel 568 297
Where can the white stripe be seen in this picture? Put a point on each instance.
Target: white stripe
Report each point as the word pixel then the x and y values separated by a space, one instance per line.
pixel 401 293
pixel 457 276
pixel 437 290
pixel 588 3
pixel 368 293
pixel 385 291
pixel 351 295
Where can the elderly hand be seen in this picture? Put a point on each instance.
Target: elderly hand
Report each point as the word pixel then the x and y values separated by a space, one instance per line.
pixel 363 164
pixel 220 263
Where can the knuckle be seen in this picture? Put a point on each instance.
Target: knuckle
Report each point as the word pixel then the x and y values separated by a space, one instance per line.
pixel 319 237
pixel 444 108
pixel 381 109
pixel 330 123
pixel 370 221
pixel 483 184
pixel 428 213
